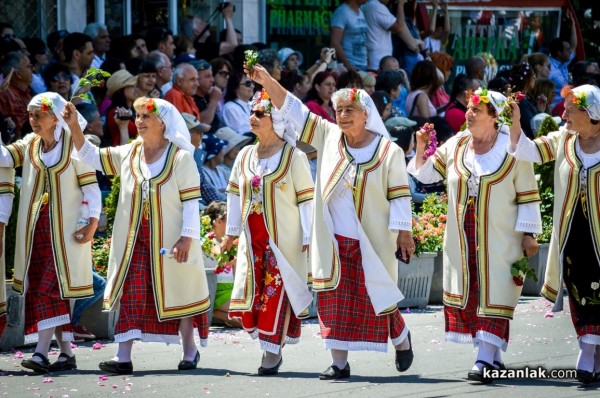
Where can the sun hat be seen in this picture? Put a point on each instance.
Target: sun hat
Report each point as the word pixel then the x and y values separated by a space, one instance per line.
pixel 233 139
pixel 286 52
pixel 118 80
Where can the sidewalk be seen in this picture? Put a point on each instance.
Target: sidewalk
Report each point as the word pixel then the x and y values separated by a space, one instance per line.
pixel 230 362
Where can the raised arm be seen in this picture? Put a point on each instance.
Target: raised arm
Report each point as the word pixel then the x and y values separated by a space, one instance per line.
pixel 275 90
pixel 69 114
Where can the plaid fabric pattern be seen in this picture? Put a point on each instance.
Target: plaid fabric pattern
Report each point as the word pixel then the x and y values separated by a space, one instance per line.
pixel 467 321
pixel 346 313
pixel 42 299
pixel 270 303
pixel 580 328
pixel 138 308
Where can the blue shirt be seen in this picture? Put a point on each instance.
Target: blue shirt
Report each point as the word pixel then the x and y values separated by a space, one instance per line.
pixel 354 38
pixel 559 74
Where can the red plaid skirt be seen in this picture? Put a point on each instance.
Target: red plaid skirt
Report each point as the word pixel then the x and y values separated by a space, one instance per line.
pixel 466 321
pixel 582 330
pixel 270 304
pixel 346 315
pixel 44 309
pixel 137 315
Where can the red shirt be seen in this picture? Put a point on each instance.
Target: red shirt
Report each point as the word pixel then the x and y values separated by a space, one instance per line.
pixel 183 103
pixel 13 103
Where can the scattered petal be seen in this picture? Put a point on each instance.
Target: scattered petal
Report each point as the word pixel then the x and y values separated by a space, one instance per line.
pixel 96 346
pixel 115 386
pixel 48 380
pixel 549 315
pixel 102 378
pixel 18 355
pixel 73 345
pixel 407 310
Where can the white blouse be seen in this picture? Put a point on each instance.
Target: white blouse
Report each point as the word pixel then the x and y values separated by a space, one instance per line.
pixel 528 216
pixel 90 154
pixel 234 206
pixel 91 193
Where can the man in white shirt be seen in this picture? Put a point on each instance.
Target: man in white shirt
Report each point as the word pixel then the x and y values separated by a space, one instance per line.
pixel 100 41
pixel 164 70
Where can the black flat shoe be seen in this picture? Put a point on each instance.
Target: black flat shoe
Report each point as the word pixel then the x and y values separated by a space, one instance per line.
pixel 499 365
pixel 476 375
pixel 405 358
pixel 333 373
pixel 60 366
pixel 270 371
pixel 585 377
pixel 36 366
pixel 189 365
pixel 121 368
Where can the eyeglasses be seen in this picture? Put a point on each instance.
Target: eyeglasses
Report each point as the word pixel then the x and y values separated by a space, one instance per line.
pixel 223 73
pixel 247 83
pixel 61 76
pixel 260 114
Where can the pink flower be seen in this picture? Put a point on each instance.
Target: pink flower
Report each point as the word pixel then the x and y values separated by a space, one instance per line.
pixel 48 380
pixel 102 378
pixel 476 99
pixel 255 181
pixel 519 96
pixel 18 355
pixel 96 346
pixel 549 314
pixel 227 268
pixel 211 235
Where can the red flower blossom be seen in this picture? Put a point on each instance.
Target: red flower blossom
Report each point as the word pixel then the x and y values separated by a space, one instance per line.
pixel 518 280
pixel 475 99
pixel 519 96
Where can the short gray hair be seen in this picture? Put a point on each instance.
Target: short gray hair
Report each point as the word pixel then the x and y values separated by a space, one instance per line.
pixel 93 29
pixel 180 70
pixel 155 57
pixel 12 60
pixel 344 94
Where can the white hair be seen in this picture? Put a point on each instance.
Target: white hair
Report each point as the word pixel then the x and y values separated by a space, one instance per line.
pixel 93 29
pixel 344 94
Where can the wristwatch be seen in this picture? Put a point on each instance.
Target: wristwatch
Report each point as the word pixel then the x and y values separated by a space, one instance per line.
pixel 534 236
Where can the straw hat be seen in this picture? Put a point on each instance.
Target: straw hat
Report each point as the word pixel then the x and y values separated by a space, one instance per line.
pixel 118 80
pixel 233 139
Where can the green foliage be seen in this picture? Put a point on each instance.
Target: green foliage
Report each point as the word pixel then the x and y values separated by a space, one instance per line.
pixel 546 184
pixel 100 252
pixel 111 202
pixel 10 236
pixel 429 224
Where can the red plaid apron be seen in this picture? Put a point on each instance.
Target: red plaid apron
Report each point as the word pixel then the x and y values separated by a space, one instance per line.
pixel 270 303
pixel 138 307
pixel 346 314
pixel 42 299
pixel 467 321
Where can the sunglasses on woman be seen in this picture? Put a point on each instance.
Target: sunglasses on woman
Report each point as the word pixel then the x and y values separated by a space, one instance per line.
pixel 247 83
pixel 260 114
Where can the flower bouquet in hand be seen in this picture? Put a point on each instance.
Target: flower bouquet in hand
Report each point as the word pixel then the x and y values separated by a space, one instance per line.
pixel 251 58
pixel 505 116
pixel 432 142
pixel 520 270
pixel 93 78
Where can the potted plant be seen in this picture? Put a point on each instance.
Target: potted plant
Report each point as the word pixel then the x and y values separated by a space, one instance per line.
pixel 415 279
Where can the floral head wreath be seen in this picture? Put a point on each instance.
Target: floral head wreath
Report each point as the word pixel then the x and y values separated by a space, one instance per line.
pixel 581 100
pixel 151 106
pixel 47 104
pixel 480 95
pixel 265 101
pixel 354 94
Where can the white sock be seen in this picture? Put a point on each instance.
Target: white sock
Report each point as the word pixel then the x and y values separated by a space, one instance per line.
pixel 270 360
pixel 485 353
pixel 339 358
pixel 597 360
pixel 405 345
pixel 498 356
pixel 585 361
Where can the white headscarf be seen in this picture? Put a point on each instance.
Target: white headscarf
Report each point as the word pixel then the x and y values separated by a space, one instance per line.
pixel 176 130
pixel 282 127
pixel 590 95
pixel 374 121
pixel 498 101
pixel 56 103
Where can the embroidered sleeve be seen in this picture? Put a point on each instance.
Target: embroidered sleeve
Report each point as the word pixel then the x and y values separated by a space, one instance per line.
pixel 13 155
pixel 428 173
pixel 234 215
pixel 92 195
pixel 7 182
pixel 529 218
pixel 397 178
pixel 233 186
pixel 301 177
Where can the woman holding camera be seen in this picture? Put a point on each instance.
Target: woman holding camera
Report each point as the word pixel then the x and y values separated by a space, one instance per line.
pixel 120 125
pixel 361 217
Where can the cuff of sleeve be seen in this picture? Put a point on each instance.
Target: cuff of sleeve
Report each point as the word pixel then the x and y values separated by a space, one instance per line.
pixel 190 233
pixel 4 217
pixel 85 150
pixel 306 240
pixel 94 213
pixel 232 230
pixel 518 146
pixel 530 227
pixel 287 104
pixel 400 225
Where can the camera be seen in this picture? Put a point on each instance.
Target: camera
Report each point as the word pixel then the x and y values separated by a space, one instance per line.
pixel 224 5
pixel 126 116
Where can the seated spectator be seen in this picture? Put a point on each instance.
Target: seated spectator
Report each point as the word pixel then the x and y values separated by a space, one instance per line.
pixel 221 70
pixel 424 81
pixel 269 59
pixel 290 59
pixel 146 80
pixel 390 63
pixel 207 96
pixel 215 153
pixel 79 54
pixel 542 95
pixel 348 79
pixel 541 65
pixel 235 142
pixel 457 109
pixel 57 79
pixel 120 121
pixel 184 45
pixel 368 81
pixel 390 82
pixel 39 60
pixel 296 83
pixel 383 103
pixel 14 100
pixel 100 41
pixel 318 98
pixel 164 71
pixel 236 111
pixel 208 191
pixel 443 62
pixel 185 84
pixel 131 47
pixel 161 39
pixel 217 211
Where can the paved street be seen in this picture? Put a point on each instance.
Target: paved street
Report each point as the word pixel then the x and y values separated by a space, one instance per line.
pixel 229 365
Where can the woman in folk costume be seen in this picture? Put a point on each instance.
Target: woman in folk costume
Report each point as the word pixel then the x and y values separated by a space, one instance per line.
pixel 7 194
pixel 575 244
pixel 362 216
pixel 269 205
pixel 158 296
pixel 493 212
pixel 52 258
